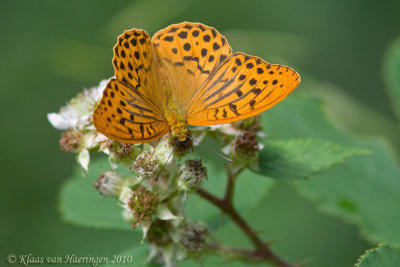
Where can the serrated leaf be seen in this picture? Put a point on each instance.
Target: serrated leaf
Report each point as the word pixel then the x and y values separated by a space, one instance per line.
pixel 391 73
pixel 80 204
pixel 383 255
pixel 363 190
pixel 302 158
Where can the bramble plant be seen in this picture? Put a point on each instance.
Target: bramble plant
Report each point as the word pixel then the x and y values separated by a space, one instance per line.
pixel 153 182
pixel 155 174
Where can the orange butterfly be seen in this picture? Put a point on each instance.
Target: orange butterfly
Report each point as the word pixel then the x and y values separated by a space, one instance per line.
pixel 185 75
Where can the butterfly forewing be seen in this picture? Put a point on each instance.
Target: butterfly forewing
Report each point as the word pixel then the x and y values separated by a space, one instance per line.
pixel 132 60
pixel 241 87
pixel 191 51
pixel 126 116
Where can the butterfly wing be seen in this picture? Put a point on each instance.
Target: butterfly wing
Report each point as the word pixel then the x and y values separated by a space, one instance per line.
pixel 126 116
pixel 188 54
pixel 243 86
pixel 126 112
pixel 132 60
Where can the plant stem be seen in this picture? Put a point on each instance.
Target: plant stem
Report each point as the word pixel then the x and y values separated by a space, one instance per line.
pixel 262 252
pixel 245 255
pixel 230 186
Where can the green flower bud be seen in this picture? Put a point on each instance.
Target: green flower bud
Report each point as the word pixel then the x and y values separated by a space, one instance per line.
pixel 245 145
pixel 122 150
pixel 159 232
pixel 143 204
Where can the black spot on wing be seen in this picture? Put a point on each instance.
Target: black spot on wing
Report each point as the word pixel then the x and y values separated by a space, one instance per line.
pixel 173 29
pixel 169 38
pixel 251 103
pixel 233 108
pixel 216 113
pixel 187 46
pixel 183 34
pixel 195 33
pixel 142 130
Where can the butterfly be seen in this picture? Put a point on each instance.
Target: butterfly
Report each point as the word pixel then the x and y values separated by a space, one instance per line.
pixel 185 75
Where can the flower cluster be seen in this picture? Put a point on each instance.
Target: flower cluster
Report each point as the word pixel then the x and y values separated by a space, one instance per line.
pixel 160 174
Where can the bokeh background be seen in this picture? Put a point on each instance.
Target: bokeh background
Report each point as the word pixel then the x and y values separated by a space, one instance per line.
pixel 50 50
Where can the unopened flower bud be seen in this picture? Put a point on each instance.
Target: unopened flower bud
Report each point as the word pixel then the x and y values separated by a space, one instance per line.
pixel 147 165
pixel 159 232
pixel 245 145
pixel 193 238
pixel 109 184
pixel 70 140
pixel 120 150
pixel 191 174
pixel 143 204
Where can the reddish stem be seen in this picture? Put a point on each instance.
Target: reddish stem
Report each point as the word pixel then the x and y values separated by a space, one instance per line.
pixel 262 252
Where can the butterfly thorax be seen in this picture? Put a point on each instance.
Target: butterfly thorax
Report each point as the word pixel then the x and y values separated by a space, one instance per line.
pixel 176 120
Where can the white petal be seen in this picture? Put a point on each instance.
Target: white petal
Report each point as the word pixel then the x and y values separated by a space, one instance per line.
pixel 145 229
pixel 84 158
pixel 163 213
pixel 163 151
pixel 226 150
pixel 168 252
pixel 152 254
pixel 125 195
pixel 59 122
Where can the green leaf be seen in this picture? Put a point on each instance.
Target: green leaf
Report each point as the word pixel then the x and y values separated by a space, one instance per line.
pixel 80 204
pixel 383 255
pixel 391 73
pixel 302 158
pixel 363 190
pixel 250 189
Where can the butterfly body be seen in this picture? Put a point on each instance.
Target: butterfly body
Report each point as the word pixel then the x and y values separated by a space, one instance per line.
pixel 185 75
pixel 176 121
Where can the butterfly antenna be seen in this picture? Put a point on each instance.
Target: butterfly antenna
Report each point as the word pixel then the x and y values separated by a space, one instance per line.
pixel 211 150
pixel 162 168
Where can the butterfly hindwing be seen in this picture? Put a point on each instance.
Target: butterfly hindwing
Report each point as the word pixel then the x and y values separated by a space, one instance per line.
pixel 191 50
pixel 241 87
pixel 126 116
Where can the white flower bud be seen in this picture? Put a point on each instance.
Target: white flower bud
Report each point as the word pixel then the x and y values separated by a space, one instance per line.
pixel 193 237
pixel 147 165
pixel 191 174
pixel 109 184
pixel 78 112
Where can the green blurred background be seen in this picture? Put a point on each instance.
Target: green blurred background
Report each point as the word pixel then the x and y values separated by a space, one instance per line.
pixel 51 49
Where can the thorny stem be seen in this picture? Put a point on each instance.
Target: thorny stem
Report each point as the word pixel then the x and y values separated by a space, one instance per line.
pixel 261 252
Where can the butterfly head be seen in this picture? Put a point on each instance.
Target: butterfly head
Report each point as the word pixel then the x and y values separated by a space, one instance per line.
pixel 180 132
